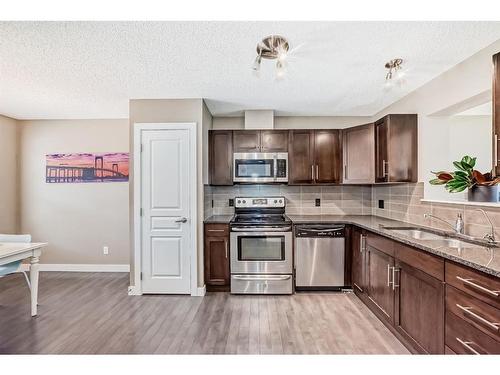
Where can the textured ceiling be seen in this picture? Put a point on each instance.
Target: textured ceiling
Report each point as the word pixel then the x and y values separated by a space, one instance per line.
pixel 91 70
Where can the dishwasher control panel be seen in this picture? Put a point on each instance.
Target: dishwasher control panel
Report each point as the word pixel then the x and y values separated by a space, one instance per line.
pixel 319 231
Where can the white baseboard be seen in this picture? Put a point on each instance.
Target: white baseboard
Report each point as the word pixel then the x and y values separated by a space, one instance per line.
pixel 200 291
pixel 134 291
pixel 81 267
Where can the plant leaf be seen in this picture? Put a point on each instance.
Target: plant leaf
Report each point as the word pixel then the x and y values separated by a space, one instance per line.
pixel 437 181
pixel 458 165
pixel 479 177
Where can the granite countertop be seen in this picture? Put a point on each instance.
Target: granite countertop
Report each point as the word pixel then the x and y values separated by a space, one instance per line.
pixel 482 258
pixel 218 219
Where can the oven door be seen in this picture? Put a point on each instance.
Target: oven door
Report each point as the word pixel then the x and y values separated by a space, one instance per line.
pixel 254 167
pixel 261 252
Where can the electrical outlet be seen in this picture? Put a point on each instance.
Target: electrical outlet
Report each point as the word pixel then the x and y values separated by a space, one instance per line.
pixel 318 202
pixel 380 203
pixel 231 202
pixel 105 250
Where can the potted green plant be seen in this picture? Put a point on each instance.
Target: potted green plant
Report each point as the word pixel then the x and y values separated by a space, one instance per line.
pixel 481 187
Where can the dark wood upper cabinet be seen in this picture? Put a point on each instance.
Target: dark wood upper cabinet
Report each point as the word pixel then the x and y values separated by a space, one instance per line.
pixel 496 113
pixel 301 157
pixel 314 157
pixel 396 154
pixel 274 140
pixel 358 145
pixel 326 156
pixel 419 308
pixel 246 140
pixel 221 157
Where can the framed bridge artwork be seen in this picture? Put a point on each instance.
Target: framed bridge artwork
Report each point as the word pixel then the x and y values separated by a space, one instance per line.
pixel 87 167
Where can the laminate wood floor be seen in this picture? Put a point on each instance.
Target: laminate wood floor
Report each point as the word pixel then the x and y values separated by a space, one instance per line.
pixel 91 313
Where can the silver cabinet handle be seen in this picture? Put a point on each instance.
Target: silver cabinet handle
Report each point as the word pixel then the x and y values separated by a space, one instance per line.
pixel 388 275
pixel 469 282
pixel 345 171
pixel 385 168
pixel 225 244
pixel 181 220
pixel 317 172
pixel 312 172
pixel 362 243
pixel 215 230
pixel 467 345
pixel 468 310
pixel 495 147
pixel 394 285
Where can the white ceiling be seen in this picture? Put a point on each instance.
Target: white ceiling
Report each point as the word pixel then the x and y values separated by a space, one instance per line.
pixel 91 70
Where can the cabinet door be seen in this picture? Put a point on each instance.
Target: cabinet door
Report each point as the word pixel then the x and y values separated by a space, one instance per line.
pixel 326 156
pixel 419 308
pixel 216 261
pixel 274 140
pixel 381 145
pixel 379 276
pixel 301 157
pixel 496 113
pixel 358 260
pixel 359 154
pixel 246 140
pixel 402 148
pixel 221 157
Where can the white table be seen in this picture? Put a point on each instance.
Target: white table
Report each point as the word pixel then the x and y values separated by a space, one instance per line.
pixel 12 251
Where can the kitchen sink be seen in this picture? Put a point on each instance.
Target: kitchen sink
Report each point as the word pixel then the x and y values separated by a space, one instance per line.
pixel 454 243
pixel 416 233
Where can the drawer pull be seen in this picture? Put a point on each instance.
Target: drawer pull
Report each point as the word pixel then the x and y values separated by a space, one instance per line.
pixel 467 345
pixel 468 310
pixel 469 282
pixel 215 230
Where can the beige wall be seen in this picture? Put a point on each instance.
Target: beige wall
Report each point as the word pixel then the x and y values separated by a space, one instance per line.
pixel 176 110
pixel 297 122
pixel 77 220
pixel 9 199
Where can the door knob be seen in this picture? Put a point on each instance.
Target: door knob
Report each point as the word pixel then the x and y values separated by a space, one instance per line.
pixel 181 220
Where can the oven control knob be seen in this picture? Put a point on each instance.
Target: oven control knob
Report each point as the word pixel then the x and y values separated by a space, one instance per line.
pixel 281 201
pixel 275 201
pixel 238 201
pixel 244 201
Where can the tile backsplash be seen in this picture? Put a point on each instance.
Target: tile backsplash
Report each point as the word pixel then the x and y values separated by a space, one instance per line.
pixel 335 200
pixel 401 202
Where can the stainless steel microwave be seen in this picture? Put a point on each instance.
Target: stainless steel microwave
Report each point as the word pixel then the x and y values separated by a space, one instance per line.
pixel 260 167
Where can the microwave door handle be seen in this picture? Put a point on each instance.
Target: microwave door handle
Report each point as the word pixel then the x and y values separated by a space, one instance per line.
pixel 275 171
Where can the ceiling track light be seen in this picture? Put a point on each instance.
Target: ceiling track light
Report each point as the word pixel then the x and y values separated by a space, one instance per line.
pixel 273 47
pixel 393 66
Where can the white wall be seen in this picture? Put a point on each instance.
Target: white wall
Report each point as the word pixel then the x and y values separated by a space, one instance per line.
pixel 77 220
pixel 471 78
pixel 9 142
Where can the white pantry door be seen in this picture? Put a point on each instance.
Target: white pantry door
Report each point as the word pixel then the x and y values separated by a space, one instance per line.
pixel 166 206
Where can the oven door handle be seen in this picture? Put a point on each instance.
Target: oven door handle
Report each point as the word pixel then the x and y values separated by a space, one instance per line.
pixel 262 229
pixel 262 277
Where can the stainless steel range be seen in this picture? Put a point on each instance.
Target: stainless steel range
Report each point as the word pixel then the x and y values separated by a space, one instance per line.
pixel 261 247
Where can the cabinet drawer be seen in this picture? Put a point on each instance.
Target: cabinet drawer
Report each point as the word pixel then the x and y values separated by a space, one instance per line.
pixel 380 243
pixel 217 230
pixel 463 338
pixel 477 284
pixel 430 264
pixel 479 314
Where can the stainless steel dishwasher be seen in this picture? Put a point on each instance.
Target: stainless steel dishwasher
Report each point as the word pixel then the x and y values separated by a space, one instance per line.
pixel 319 257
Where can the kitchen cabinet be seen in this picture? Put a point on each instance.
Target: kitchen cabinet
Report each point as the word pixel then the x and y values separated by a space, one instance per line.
pixel 314 156
pixel 380 293
pixel 220 157
pixel 496 112
pixel 396 158
pixel 260 140
pixel 216 257
pixel 358 145
pixel 358 267
pixel 419 308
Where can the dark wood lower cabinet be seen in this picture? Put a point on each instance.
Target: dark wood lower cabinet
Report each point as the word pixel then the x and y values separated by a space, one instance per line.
pixel 358 261
pixel 419 308
pixel 216 257
pixel 380 293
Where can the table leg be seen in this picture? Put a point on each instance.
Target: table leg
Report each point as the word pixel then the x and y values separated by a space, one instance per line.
pixel 34 270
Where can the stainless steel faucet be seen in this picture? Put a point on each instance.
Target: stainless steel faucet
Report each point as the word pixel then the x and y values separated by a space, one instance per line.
pixel 457 228
pixel 490 237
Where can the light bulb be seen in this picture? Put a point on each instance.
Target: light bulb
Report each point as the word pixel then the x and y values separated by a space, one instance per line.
pixel 256 63
pixel 280 69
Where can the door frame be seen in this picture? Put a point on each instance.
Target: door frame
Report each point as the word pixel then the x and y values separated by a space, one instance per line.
pixel 138 128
